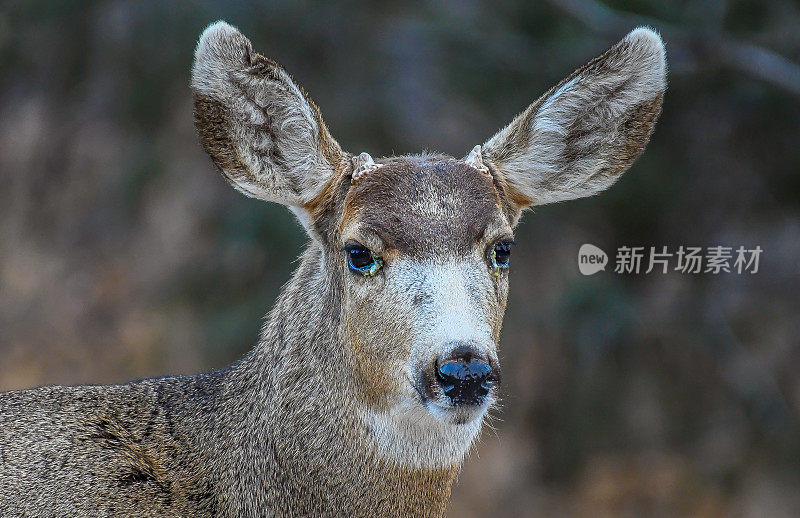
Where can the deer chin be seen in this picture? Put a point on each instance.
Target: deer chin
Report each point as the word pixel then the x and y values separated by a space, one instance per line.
pixel 419 434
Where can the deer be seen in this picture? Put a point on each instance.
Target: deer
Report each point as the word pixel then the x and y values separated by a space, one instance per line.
pixel 376 368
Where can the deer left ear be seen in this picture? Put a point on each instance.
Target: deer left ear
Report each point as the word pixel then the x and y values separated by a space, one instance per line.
pixel 579 137
pixel 260 128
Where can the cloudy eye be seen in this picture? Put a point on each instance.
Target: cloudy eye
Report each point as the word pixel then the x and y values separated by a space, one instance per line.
pixel 360 259
pixel 500 255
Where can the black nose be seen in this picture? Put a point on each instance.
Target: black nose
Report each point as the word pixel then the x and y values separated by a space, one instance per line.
pixel 465 378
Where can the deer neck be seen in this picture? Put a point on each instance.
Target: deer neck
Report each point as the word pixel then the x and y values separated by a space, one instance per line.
pixel 295 395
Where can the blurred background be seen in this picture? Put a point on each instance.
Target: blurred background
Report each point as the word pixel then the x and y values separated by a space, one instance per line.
pixel 124 255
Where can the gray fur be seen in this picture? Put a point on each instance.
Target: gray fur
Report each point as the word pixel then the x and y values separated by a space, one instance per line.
pixel 324 417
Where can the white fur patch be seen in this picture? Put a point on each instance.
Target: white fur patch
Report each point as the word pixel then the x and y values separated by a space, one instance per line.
pixel 433 434
pixel 456 311
pixel 410 435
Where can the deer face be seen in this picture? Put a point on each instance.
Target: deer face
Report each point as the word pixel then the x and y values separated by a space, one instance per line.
pixel 417 248
pixel 425 246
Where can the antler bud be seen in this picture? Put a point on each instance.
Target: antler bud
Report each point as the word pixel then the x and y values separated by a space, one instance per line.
pixel 363 164
pixel 475 159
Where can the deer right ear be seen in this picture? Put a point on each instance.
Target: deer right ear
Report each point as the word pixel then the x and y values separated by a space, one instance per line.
pixel 259 127
pixel 579 137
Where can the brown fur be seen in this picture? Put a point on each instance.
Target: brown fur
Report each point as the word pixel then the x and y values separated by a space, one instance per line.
pixel 213 129
pixel 397 203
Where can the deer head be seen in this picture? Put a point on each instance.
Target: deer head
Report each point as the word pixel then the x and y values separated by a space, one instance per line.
pixel 418 247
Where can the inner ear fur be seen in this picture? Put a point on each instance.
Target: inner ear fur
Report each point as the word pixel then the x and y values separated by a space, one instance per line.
pixel 579 137
pixel 259 127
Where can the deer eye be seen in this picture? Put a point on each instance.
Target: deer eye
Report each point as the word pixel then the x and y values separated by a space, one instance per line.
pixel 499 256
pixel 360 259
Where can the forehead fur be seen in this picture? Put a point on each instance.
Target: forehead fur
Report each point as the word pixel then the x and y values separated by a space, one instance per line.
pixel 423 204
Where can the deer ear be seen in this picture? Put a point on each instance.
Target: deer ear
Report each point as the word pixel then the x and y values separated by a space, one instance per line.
pixel 580 136
pixel 259 127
